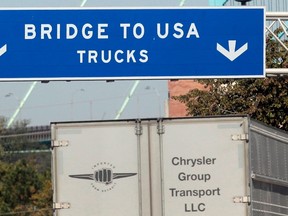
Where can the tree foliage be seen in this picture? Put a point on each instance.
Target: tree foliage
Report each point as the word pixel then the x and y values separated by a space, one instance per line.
pixel 263 99
pixel 25 187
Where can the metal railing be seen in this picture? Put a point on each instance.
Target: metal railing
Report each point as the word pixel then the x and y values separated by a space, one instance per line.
pixel 31 134
pixel 277 21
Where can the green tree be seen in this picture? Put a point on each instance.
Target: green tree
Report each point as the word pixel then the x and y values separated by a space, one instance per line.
pixel 4 207
pixel 14 143
pixel 23 189
pixel 20 183
pixel 263 99
pixel 25 185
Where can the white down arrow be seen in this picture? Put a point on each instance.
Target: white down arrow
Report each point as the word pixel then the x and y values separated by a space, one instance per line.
pixel 3 49
pixel 231 54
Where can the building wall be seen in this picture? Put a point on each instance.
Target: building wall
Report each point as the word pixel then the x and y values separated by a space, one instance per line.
pixel 176 88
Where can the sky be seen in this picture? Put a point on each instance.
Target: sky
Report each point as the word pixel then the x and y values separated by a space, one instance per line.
pixel 86 100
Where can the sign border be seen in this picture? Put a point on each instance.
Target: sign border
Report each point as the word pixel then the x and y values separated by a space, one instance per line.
pixel 47 79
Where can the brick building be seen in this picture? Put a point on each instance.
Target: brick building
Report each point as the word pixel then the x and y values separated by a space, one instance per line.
pixel 176 88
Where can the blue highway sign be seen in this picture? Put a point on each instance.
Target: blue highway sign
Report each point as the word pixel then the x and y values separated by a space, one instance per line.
pixel 131 43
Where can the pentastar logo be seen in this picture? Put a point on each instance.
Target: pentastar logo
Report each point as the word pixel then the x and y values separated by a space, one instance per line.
pixel 103 176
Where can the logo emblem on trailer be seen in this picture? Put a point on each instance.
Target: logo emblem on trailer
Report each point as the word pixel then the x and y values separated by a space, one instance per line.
pixel 103 176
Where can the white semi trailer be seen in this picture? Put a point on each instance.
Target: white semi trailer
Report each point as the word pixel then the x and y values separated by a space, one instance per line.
pixel 170 167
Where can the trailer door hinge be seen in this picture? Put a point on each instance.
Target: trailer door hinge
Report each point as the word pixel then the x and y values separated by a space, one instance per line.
pixel 241 199
pixel 160 127
pixel 60 143
pixel 138 128
pixel 239 137
pixel 61 205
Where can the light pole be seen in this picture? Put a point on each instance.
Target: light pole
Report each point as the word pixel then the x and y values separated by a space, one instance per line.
pixel 9 95
pixel 72 100
pixel 127 99
pixel 156 91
